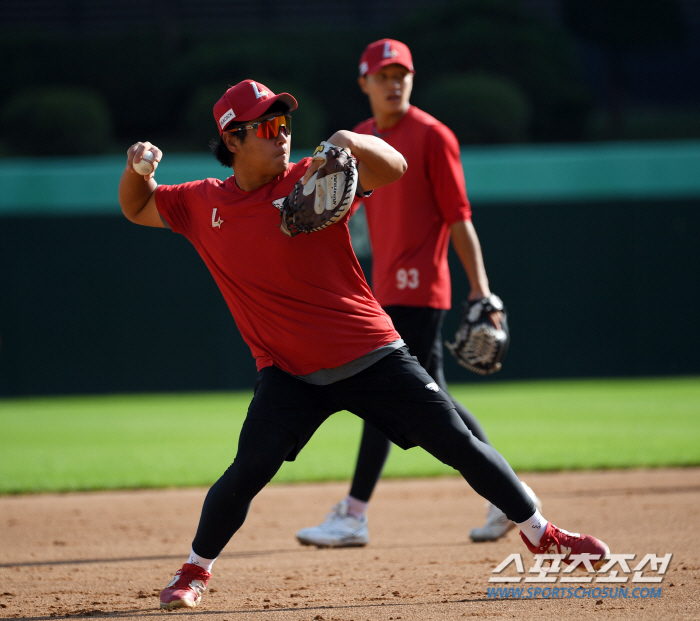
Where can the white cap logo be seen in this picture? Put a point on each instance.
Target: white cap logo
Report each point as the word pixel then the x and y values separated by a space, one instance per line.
pixel 259 93
pixel 388 52
pixel 223 121
pixel 364 68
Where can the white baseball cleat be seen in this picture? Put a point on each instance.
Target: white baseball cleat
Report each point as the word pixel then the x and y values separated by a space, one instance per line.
pixel 497 524
pixel 339 530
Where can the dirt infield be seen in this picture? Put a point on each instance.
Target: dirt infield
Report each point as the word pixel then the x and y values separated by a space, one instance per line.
pixel 109 554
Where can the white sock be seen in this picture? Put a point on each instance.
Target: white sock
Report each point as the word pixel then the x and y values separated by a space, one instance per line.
pixel 533 528
pixel 204 563
pixel 357 508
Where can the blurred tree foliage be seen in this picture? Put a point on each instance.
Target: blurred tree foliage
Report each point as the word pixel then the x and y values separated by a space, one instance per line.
pixel 621 26
pixel 512 72
pixel 56 121
pixel 501 38
pixel 489 110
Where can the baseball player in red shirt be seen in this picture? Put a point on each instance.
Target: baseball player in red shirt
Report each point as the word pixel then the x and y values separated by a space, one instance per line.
pixel 411 223
pixel 321 341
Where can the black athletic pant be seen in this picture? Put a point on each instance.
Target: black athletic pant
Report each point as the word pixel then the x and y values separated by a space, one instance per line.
pixel 421 330
pixel 396 394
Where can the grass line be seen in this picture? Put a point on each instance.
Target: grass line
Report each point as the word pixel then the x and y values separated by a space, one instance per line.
pixel 132 441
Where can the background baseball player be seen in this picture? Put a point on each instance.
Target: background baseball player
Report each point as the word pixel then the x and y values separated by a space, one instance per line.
pixel 410 225
pixel 322 343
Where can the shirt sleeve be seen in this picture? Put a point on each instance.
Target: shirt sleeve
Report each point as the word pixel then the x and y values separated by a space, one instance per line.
pixel 446 174
pixel 171 202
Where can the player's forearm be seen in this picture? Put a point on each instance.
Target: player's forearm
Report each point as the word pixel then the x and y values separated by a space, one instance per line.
pixel 378 162
pixel 134 192
pixel 466 244
pixel 137 186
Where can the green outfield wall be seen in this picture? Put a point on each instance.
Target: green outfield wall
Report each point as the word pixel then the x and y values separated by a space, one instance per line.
pixel 593 248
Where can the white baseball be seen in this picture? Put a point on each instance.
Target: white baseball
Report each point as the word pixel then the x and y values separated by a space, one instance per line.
pixel 146 165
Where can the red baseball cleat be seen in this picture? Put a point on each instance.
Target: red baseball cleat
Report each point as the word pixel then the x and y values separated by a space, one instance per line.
pixel 558 541
pixel 186 588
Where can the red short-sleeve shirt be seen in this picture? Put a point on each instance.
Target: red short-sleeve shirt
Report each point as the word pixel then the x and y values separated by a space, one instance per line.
pixel 409 220
pixel 300 303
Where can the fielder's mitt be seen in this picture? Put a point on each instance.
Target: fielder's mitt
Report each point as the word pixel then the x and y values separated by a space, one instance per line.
pixel 479 346
pixel 327 195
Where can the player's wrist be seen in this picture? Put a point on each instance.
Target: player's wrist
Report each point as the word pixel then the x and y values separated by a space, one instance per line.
pixel 342 138
pixel 479 294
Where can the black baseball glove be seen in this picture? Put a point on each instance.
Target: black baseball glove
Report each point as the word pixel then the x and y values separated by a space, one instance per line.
pixel 479 346
pixel 327 195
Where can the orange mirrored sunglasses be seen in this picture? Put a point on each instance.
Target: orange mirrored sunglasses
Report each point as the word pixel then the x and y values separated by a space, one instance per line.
pixel 269 128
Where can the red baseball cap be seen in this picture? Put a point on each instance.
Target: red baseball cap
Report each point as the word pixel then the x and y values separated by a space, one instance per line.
pixel 247 101
pixel 385 52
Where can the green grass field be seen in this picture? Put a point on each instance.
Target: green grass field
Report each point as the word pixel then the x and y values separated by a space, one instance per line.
pixel 174 440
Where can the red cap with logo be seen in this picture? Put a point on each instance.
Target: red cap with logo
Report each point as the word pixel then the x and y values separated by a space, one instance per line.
pixel 385 52
pixel 247 101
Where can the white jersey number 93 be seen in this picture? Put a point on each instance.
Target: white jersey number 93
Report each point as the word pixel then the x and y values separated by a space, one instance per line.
pixel 407 278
